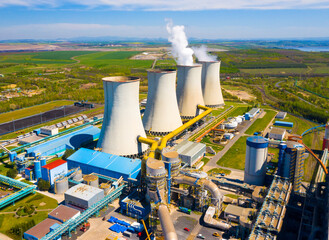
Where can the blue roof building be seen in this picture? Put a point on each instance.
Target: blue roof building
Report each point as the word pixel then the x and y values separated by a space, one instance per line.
pixel 72 140
pixel 110 165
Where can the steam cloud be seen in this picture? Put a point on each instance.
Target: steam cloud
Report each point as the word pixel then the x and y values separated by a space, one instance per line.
pixel 202 54
pixel 179 43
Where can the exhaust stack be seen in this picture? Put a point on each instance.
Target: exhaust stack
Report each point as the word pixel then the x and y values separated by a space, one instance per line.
pixel 161 113
pixel 211 90
pixel 122 122
pixel 189 91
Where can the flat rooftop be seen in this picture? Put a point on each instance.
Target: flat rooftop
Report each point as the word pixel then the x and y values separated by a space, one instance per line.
pixel 188 148
pixel 40 230
pixel 83 191
pixel 63 213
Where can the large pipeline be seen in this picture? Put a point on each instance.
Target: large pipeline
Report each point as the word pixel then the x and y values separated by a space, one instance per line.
pixel 217 196
pixel 216 200
pixel 168 228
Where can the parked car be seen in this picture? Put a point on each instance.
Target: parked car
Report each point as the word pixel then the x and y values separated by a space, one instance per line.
pixel 186 229
pixel 200 236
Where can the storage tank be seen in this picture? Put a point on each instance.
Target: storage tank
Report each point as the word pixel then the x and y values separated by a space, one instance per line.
pixel 106 187
pixel 155 179
pixel 231 124
pixel 122 122
pixel 326 138
pixel 61 186
pixel 256 156
pixel 37 170
pixel 189 90
pixel 161 114
pixel 172 158
pixel 91 180
pixel 212 92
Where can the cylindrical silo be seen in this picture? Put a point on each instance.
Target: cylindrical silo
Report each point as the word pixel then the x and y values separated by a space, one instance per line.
pixel 37 169
pixel 189 90
pixel 161 114
pixel 122 122
pixel 43 161
pixel 212 92
pixel 256 156
pixel 172 161
pixel 326 138
pixel 61 186
pixel 91 180
pixel 155 179
pixel 106 187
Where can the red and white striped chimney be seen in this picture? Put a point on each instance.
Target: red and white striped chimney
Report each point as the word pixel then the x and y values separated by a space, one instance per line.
pixel 326 138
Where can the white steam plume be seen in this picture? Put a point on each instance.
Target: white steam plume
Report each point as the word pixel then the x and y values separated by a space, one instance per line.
pixel 179 43
pixel 202 54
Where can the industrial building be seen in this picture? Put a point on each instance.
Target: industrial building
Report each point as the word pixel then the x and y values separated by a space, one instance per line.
pixel 40 230
pixel 283 124
pixel 256 159
pixel 161 114
pixel 236 213
pixel 114 166
pixel 211 90
pixel 291 163
pixel 53 170
pixel 122 122
pixel 281 115
pixel 277 133
pixel 189 90
pixel 252 113
pixel 59 145
pixel 49 130
pixel 190 152
pixel 83 196
pixel 63 213
pixel 134 207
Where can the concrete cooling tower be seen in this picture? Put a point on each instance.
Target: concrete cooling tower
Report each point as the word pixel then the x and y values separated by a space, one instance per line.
pixel 161 113
pixel 122 122
pixel 212 93
pixel 189 91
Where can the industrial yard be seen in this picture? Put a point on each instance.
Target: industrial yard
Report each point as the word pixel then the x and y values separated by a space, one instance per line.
pixel 169 154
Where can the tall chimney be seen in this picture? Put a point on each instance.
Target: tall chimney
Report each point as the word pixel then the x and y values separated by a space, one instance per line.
pixel 122 122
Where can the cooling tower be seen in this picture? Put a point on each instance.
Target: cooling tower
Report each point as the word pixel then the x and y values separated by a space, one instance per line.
pixel 122 122
pixel 212 93
pixel 189 91
pixel 161 113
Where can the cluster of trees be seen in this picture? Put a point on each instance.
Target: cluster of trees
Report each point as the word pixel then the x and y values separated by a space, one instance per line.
pixel 12 173
pixel 20 228
pixel 43 185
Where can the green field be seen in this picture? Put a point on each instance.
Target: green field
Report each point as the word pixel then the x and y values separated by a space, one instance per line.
pixel 25 112
pixel 235 156
pixel 261 123
pixel 118 55
pixel 40 201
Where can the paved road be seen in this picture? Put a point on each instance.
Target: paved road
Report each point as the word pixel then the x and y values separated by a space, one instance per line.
pixel 213 161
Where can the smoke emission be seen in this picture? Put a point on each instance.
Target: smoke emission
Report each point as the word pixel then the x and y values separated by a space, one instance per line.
pixel 202 54
pixel 179 43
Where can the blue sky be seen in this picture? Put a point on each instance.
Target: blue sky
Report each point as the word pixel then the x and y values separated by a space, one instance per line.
pixel 205 19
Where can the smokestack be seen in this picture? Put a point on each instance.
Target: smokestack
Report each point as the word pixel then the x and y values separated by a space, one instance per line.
pixel 122 122
pixel 212 93
pixel 161 113
pixel 326 138
pixel 189 91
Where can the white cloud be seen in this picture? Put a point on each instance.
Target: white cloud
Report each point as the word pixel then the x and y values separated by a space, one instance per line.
pixel 174 5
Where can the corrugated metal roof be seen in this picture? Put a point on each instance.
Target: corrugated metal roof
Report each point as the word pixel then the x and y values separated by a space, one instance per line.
pixel 70 140
pixel 106 161
pixel 54 164
pixel 189 148
pixel 63 213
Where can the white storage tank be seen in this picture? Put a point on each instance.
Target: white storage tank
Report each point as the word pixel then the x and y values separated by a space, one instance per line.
pixel 231 124
pixel 91 180
pixel 256 156
pixel 239 119
pixel 61 186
